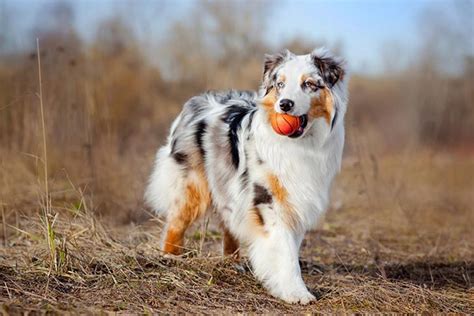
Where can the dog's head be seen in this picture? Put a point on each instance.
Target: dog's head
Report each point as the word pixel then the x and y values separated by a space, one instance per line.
pixel 310 86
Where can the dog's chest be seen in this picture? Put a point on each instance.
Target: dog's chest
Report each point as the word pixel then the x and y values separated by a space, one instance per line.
pixel 305 175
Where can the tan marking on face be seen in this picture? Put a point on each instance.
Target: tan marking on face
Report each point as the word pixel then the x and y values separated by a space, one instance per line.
pixel 230 243
pixel 268 103
pixel 271 97
pixel 197 201
pixel 269 100
pixel 280 194
pixel 322 105
pixel 305 78
pixel 281 78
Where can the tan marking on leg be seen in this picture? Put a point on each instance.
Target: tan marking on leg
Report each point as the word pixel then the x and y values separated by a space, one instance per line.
pixel 281 196
pixel 174 241
pixel 197 201
pixel 322 106
pixel 231 245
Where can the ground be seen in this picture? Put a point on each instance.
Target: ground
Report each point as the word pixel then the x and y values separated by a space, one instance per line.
pixel 397 238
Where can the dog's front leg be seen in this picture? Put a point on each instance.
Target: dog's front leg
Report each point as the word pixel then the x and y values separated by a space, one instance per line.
pixel 274 257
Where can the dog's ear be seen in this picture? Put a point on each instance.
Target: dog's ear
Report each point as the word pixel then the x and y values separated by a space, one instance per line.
pixel 330 67
pixel 270 64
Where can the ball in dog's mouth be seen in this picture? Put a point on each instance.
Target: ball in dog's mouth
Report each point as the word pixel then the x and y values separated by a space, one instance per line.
pixel 285 124
pixel 300 130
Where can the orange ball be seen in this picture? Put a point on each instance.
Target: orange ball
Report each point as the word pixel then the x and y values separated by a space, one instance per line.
pixel 285 124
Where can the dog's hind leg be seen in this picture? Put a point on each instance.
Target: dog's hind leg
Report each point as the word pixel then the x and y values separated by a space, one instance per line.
pixel 194 202
pixel 178 189
pixel 230 243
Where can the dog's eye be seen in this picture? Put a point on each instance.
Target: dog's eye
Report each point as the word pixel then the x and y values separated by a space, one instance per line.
pixel 280 85
pixel 310 85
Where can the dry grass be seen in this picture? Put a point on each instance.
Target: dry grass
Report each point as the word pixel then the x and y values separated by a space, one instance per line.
pixel 372 253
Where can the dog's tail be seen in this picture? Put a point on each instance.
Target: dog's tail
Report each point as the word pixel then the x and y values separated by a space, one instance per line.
pixel 166 179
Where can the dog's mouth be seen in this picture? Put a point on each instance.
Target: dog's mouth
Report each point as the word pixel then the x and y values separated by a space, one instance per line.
pixel 300 130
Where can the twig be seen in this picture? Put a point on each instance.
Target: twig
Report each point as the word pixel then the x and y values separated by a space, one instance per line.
pixel 8 291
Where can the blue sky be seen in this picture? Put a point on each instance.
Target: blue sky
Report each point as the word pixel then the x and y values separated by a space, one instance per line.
pixel 364 27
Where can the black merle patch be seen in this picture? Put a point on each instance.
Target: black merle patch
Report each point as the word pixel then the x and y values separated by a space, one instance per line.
pixel 233 117
pixel 180 158
pixel 330 69
pixel 199 134
pixel 225 98
pixel 261 195
pixel 334 120
pixel 271 62
pixel 251 116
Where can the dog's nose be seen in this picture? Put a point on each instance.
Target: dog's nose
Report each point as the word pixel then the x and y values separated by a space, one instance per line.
pixel 286 105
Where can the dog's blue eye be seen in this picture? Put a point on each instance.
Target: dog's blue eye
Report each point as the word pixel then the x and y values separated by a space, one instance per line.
pixel 280 85
pixel 310 85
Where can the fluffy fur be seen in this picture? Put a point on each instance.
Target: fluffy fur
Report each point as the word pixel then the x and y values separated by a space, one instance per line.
pixel 268 189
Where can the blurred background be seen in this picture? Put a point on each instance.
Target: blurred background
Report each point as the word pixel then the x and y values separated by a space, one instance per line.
pixel 116 73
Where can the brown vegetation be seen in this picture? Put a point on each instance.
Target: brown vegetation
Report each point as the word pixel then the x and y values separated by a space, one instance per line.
pixel 398 236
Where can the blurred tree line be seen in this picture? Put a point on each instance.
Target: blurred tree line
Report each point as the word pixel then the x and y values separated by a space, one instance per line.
pixel 115 94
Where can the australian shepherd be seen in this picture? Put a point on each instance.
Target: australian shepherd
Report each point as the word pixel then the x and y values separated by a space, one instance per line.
pixel 268 189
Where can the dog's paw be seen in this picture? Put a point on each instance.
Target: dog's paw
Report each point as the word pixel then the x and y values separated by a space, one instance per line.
pixel 302 297
pixel 307 298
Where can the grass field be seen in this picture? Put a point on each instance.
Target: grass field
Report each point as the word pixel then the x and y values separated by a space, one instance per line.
pixel 80 121
pixel 397 238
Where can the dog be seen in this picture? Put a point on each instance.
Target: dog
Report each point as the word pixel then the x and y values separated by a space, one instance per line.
pixel 268 189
